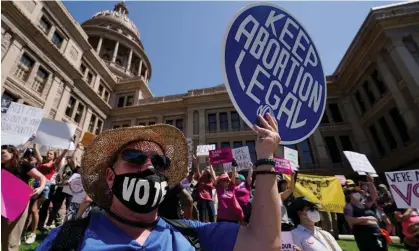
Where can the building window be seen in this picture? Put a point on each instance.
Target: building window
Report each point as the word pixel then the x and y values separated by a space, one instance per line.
pixel 142 124
pixel 307 154
pixel 400 124
pixel 346 143
pixel 169 122
pixel 223 121
pixel 252 150
pixel 92 123
pixel 89 78
pixel 99 127
pixel 125 125
pixel 70 106
pixel 235 121
pixel 40 80
pixel 57 39
pixel 376 140
pixel 79 113
pixel 179 124
pixel 45 25
pixel 195 122
pixel 130 100
pixel 152 123
pixel 381 87
pixel 83 68
pixel 106 96
pixel 325 118
pixel 336 115
pixel 212 122
pixel 387 133
pixel 360 102
pixel 225 144
pixel 115 126
pixel 333 149
pixel 412 47
pixel 237 144
pixel 24 67
pixel 121 101
pixel 100 90
pixel 367 88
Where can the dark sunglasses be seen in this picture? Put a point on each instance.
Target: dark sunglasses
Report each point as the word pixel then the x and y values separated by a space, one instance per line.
pixel 138 157
pixel 7 147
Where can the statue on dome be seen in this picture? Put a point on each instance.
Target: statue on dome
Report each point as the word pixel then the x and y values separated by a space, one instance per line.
pixel 121 7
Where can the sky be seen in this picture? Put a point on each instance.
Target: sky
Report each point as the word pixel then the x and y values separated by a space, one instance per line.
pixel 183 39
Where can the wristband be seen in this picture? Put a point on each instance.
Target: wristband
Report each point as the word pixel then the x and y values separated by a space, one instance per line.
pixel 261 162
pixel 266 172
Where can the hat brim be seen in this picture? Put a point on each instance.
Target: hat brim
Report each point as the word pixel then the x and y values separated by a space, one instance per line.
pixel 98 156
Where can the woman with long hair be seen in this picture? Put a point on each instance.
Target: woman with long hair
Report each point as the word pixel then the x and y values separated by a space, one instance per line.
pixel 47 168
pixel 11 231
pixel 204 188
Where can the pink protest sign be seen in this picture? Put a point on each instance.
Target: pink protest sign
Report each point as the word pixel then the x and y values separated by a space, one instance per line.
pixel 283 165
pixel 342 179
pixel 221 156
pixel 15 195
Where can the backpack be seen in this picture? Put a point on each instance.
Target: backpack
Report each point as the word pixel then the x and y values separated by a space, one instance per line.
pixel 72 233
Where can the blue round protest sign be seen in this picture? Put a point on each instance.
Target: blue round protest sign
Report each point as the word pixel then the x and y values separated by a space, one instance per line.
pixel 271 64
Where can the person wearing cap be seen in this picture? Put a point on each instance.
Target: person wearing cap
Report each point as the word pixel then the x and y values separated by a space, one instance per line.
pixel 308 237
pixel 228 209
pixel 127 171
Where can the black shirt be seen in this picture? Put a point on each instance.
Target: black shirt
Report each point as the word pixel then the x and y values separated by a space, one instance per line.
pixel 170 208
pixel 21 172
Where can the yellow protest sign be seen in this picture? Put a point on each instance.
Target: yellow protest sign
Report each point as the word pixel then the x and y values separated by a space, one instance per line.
pixel 325 190
pixel 87 139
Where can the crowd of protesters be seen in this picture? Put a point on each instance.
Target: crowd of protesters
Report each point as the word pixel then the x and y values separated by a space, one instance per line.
pixel 120 160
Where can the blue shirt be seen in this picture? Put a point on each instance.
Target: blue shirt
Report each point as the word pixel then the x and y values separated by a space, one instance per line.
pixel 103 235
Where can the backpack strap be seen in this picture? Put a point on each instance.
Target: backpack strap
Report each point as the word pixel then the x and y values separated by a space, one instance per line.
pixel 70 235
pixel 186 230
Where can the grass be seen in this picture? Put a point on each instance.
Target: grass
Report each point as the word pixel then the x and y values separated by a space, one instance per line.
pixel 351 246
pixel 345 245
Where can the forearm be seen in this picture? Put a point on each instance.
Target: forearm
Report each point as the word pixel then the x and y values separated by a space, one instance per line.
pixel 83 206
pixel 42 182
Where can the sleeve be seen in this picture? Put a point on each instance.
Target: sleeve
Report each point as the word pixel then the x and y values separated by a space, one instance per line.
pixel 333 241
pixel 26 167
pixel 296 239
pixel 49 240
pixel 216 236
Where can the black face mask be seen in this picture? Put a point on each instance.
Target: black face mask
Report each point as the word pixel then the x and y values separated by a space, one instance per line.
pixel 140 192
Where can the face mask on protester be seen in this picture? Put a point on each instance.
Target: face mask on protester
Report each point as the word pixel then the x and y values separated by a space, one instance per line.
pixel 140 192
pixel 313 215
pixel 357 196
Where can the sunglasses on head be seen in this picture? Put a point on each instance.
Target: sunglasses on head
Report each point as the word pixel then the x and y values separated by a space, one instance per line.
pixel 138 157
pixel 6 147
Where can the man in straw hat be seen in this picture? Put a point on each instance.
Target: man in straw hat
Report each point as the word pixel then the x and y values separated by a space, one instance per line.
pixel 127 172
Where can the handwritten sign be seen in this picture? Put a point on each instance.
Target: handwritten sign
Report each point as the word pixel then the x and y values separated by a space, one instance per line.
pixel 291 155
pixel 203 150
pixel 242 157
pixel 220 156
pixel 283 165
pixel 404 186
pixel 15 195
pixel 54 133
pixel 190 153
pixel 270 64
pixel 19 123
pixel 359 162
pixel 287 241
pixel 75 188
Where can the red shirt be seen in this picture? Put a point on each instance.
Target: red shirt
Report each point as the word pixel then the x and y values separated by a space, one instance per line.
pixel 205 188
pixel 47 170
pixel 242 193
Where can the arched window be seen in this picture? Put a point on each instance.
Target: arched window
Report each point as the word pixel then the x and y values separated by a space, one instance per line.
pixel 195 123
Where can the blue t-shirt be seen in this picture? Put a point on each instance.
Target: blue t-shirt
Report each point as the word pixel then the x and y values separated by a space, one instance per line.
pixel 103 235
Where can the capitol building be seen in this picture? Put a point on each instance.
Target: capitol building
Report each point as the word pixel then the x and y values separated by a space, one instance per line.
pixel 96 75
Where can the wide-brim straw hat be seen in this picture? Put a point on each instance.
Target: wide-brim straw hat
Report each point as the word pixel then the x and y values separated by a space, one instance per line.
pixel 99 155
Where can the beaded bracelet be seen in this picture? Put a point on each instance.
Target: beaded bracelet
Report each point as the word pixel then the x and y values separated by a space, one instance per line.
pixel 261 162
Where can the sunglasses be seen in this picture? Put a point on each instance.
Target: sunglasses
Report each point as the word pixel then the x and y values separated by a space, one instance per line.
pixel 138 157
pixel 7 147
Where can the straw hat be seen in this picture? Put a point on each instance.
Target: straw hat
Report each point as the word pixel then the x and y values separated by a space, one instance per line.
pixel 97 158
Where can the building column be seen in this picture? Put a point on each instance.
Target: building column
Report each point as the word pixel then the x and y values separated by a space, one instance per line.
pixel 51 32
pixel 11 57
pixel 96 84
pixel 360 137
pixel 33 73
pixel 63 103
pixel 115 51
pixel 99 45
pixel 317 142
pixel 127 70
pixel 390 81
pixel 87 119
pixel 189 123
pixel 136 97
pixel 140 67
pixel 407 66
pixel 76 105
pixel 50 96
pixel 146 75
pixel 202 132
pixel 159 119
pixel 85 74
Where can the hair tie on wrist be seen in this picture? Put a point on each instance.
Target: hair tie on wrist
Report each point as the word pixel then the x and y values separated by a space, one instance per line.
pixel 261 162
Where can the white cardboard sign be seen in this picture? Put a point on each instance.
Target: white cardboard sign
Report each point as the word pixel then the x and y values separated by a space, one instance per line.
pixel 75 188
pixel 19 123
pixel 242 157
pixel 404 186
pixel 203 150
pixel 287 242
pixel 291 155
pixel 55 134
pixel 359 162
